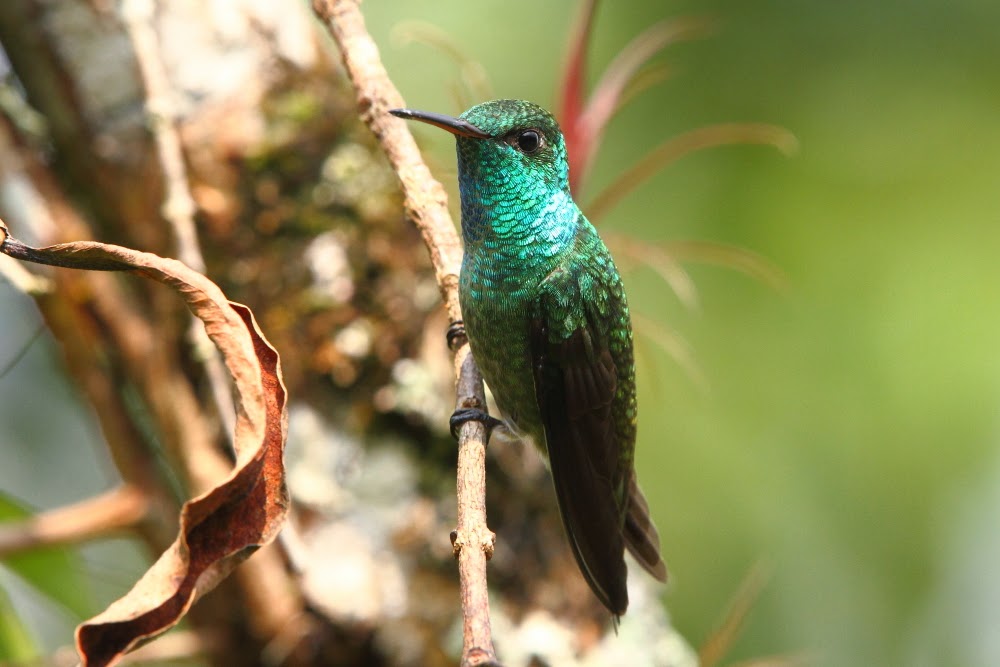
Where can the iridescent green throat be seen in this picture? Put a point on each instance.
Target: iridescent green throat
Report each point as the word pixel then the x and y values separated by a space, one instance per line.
pixel 517 210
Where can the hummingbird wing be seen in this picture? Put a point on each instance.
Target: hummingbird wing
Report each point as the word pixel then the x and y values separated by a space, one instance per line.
pixel 641 537
pixel 575 383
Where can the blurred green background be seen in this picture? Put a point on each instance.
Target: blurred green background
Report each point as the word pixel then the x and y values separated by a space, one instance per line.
pixel 849 435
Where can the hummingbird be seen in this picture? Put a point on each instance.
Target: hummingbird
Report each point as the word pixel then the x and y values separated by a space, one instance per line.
pixel 544 310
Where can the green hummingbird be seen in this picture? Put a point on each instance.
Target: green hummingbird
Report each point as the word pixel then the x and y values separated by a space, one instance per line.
pixel 545 313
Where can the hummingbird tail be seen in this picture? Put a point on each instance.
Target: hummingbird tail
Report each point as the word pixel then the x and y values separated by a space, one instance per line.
pixel 641 538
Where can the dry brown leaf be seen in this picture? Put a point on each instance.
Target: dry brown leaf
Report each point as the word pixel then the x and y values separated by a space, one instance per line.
pixel 225 525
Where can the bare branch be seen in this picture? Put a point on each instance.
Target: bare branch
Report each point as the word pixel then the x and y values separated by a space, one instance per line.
pixel 426 206
pixel 106 513
pixel 178 205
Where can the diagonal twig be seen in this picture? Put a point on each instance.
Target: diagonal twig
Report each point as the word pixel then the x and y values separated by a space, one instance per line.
pixel 178 206
pixel 114 510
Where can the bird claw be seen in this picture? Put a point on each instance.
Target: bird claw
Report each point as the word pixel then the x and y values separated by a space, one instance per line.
pixel 456 335
pixel 463 415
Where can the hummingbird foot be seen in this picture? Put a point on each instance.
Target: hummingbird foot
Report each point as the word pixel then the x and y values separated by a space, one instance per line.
pixel 456 335
pixel 463 415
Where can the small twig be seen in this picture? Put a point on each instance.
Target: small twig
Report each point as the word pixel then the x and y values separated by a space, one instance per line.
pixel 426 205
pixel 178 204
pixel 109 512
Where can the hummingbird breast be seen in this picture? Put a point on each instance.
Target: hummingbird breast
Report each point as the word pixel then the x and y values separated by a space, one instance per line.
pixel 510 249
pixel 497 305
pixel 504 275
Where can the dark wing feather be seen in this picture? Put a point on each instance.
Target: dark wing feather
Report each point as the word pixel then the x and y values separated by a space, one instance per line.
pixel 641 538
pixel 575 382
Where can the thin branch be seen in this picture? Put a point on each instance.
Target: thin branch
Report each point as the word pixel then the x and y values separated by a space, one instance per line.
pixel 115 510
pixel 178 204
pixel 426 205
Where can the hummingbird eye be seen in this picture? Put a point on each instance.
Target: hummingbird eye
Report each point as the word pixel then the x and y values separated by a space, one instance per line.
pixel 529 141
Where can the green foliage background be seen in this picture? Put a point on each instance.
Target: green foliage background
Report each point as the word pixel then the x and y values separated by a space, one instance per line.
pixel 849 435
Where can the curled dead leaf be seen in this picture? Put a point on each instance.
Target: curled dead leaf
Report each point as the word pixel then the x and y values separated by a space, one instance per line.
pixel 243 512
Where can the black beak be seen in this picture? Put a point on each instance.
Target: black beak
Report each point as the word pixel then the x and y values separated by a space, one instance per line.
pixel 456 126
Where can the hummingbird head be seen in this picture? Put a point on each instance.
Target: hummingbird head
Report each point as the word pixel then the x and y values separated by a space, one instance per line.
pixel 505 144
pixel 512 174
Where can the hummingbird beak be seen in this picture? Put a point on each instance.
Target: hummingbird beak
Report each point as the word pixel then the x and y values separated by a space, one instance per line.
pixel 456 126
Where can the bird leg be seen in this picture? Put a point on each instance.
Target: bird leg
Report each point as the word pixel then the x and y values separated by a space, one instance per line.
pixel 456 338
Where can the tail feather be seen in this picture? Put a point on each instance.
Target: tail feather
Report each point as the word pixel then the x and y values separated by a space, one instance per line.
pixel 641 538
